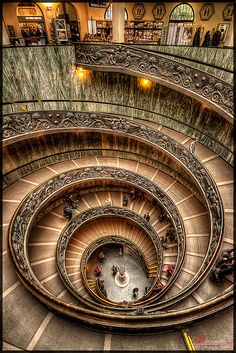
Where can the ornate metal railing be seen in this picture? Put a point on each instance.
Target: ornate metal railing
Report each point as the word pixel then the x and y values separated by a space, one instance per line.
pixel 17 126
pixel 160 319
pixel 196 170
pixel 24 218
pixel 215 92
pixel 110 239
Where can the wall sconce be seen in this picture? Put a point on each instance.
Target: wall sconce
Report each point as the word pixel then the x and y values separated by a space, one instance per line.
pixel 81 73
pixel 49 8
pixel 205 107
pixel 144 83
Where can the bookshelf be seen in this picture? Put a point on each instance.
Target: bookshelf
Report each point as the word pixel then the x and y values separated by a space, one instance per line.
pixel 143 32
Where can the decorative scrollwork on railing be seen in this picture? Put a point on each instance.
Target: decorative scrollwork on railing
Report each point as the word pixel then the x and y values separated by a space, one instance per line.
pixel 99 212
pixel 112 239
pixel 12 126
pixel 28 211
pixel 216 91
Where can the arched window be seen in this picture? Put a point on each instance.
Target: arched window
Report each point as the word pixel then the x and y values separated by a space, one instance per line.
pixel 180 29
pixel 182 13
pixel 108 13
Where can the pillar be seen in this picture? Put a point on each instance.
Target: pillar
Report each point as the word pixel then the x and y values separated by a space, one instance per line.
pixel 5 37
pixel 118 22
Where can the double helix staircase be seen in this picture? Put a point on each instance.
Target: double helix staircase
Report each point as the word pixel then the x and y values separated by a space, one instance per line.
pixel 50 303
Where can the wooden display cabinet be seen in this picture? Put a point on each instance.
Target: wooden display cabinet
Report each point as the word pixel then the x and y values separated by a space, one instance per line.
pixel 143 32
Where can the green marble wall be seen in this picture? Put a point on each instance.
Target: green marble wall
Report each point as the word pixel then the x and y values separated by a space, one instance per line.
pixel 37 73
pixel 49 73
pixel 221 58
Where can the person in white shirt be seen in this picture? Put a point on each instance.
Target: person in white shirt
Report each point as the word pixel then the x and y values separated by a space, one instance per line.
pixel 192 146
pixel 108 201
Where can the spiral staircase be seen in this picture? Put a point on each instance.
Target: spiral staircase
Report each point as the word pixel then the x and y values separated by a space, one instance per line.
pixel 51 300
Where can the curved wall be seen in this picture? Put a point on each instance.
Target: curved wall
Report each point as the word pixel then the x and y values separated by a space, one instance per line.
pixel 48 73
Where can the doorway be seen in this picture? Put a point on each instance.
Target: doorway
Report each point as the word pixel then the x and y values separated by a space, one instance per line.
pixel 180 29
pixel 67 11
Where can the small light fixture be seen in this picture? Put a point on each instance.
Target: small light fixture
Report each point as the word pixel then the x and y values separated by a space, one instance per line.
pixel 49 8
pixel 144 83
pixel 205 107
pixel 81 73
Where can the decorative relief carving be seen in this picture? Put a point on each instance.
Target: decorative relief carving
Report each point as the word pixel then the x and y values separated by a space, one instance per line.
pixel 138 11
pixel 12 126
pixel 111 239
pixel 206 11
pixel 108 211
pixel 121 56
pixel 46 120
pixel 159 11
pixel 33 204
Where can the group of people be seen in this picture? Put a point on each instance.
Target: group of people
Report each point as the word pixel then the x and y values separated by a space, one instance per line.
pixel 68 205
pixel 169 237
pixel 101 257
pixel 211 39
pixel 31 32
pixel 224 267
pixel 125 200
pixel 136 194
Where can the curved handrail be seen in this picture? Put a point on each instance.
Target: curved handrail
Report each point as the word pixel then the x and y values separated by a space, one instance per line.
pixel 96 213
pixel 193 82
pixel 169 146
pixel 109 239
pixel 23 219
pixel 133 323
pixel 17 126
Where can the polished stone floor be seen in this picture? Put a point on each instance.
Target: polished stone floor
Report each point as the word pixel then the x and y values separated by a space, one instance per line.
pixel 137 276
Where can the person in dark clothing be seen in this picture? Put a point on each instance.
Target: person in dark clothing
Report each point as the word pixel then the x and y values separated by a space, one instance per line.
pixel 114 269
pixel 161 216
pixel 107 31
pixel 219 273
pixel 135 292
pixel 132 193
pixel 38 33
pixel 216 39
pixel 207 40
pixel 197 39
pixel 147 289
pixel 75 37
pixel 28 42
pixel 101 256
pixel 170 233
pixel 225 269
pixel 146 216
pixel 125 200
pixel 67 212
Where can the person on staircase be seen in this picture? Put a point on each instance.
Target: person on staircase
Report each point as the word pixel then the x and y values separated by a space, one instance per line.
pixel 67 212
pixel 98 270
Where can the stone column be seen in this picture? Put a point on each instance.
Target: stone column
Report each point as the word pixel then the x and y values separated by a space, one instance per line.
pixel 118 22
pixel 5 37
